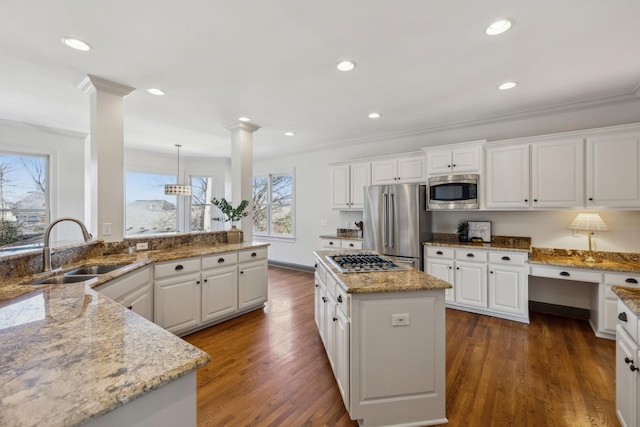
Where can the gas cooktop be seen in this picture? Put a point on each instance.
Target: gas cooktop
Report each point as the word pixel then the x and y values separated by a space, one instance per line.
pixel 362 263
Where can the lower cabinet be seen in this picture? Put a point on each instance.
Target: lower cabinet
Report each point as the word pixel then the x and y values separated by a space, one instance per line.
pixel 193 293
pixel 134 291
pixel 485 282
pixel 627 365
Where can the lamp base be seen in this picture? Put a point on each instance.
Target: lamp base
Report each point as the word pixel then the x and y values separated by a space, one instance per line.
pixel 592 259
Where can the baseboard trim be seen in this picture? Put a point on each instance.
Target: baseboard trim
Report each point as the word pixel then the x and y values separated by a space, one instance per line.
pixel 292 266
pixel 559 310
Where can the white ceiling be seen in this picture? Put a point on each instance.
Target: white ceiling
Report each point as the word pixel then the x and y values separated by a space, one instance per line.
pixel 420 63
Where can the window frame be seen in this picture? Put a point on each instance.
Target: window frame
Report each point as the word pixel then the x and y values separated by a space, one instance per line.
pixel 270 174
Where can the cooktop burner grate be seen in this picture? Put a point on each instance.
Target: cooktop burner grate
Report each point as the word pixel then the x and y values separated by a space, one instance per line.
pixel 362 263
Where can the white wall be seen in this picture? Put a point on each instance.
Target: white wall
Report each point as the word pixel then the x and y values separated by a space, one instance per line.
pixel 546 228
pixel 67 155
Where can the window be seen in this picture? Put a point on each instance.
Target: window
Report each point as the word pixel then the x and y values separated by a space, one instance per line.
pixel 273 205
pixel 148 209
pixel 24 201
pixel 201 195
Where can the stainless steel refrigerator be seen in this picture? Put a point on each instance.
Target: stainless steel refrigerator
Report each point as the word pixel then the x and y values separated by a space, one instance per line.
pixel 396 221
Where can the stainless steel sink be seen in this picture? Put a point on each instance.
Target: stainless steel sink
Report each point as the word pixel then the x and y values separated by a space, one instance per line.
pixel 94 269
pixel 57 280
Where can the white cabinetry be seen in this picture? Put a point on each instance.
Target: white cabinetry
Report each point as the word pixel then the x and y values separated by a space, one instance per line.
pixel 486 282
pixel 134 291
pixel 607 318
pixel 193 293
pixel 540 174
pixel 347 183
pixel 613 170
pixel 627 364
pixel 328 243
pixel 462 159
pixel 398 170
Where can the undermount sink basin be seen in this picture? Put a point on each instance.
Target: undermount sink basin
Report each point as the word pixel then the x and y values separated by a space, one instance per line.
pixel 57 280
pixel 94 269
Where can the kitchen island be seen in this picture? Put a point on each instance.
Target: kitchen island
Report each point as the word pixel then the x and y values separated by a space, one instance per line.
pixel 384 335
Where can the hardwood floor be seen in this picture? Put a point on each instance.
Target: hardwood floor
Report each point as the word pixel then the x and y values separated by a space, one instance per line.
pixel 269 368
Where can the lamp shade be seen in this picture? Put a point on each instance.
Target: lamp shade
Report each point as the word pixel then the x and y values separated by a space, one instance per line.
pixel 177 190
pixel 588 222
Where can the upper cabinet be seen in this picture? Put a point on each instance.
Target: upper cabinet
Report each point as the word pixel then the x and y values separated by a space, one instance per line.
pixel 613 170
pixel 347 183
pixel 398 170
pixel 542 174
pixel 456 159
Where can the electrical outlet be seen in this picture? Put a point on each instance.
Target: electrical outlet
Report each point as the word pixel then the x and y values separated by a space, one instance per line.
pixel 400 319
pixel 324 223
pixel 142 246
pixel 106 228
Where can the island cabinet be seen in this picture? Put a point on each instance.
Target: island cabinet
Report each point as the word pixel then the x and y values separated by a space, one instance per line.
pixel 627 366
pixel 194 293
pixel 386 350
pixel 134 291
pixel 491 282
pixel 328 243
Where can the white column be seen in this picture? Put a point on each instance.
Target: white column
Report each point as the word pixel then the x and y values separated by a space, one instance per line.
pixel 106 156
pixel 242 170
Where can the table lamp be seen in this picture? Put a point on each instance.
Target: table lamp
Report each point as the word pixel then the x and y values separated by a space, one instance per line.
pixel 588 223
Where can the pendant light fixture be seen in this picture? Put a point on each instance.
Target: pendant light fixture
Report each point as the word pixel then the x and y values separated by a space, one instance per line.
pixel 177 189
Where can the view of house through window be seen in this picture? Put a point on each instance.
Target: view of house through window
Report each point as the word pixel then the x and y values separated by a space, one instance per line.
pixel 273 205
pixel 23 201
pixel 148 209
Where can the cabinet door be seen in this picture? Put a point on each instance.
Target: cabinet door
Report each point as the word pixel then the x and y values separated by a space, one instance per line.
pixel 506 290
pixel 443 270
pixel 252 284
pixel 613 171
pixel 360 178
pixel 384 171
pixel 177 302
pixel 439 162
pixel 318 311
pixel 466 159
pixel 557 174
pixel 411 169
pixel 219 293
pixel 626 380
pixel 328 305
pixel 507 177
pixel 140 302
pixel 340 187
pixel 471 284
pixel 341 353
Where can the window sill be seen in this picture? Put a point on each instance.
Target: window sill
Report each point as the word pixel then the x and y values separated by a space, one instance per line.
pixel 274 238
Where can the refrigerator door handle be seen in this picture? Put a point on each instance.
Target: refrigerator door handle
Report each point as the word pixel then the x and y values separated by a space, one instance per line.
pixel 385 216
pixel 392 220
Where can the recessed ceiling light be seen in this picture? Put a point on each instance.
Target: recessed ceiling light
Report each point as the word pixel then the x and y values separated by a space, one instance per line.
pixel 374 115
pixel 155 91
pixel 346 65
pixel 498 27
pixel 76 44
pixel 244 119
pixel 289 133
pixel 507 85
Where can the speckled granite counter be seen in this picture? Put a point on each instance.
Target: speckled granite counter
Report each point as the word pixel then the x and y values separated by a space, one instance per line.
pixel 340 237
pixel 70 355
pixel 393 281
pixel 498 243
pixel 611 261
pixel 630 296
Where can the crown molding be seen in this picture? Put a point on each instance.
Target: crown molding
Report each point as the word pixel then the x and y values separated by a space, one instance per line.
pixel 91 84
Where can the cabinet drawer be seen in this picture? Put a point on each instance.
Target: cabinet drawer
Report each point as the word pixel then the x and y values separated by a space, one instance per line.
pixel 220 260
pixel 471 255
pixel 566 274
pixel 331 284
pixel 177 267
pixel 351 244
pixel 622 279
pixel 342 299
pixel 507 258
pixel 321 270
pixel 256 254
pixel 122 286
pixel 631 323
pixel 331 243
pixel 439 252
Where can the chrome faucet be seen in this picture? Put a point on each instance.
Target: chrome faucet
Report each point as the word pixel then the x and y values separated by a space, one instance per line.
pixel 46 252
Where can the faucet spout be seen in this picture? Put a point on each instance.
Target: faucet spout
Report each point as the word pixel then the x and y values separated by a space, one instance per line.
pixel 46 251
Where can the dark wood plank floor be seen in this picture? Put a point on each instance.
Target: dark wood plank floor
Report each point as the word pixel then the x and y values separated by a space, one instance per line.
pixel 269 368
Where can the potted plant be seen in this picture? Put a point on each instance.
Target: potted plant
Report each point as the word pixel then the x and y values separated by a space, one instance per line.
pixel 463 231
pixel 231 214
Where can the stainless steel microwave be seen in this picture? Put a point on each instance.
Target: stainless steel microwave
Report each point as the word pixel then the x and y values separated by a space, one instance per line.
pixel 453 192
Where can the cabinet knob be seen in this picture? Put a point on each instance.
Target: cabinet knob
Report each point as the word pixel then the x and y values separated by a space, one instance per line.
pixel 253 254
pixel 315 265
pixel 335 319
pixel 206 280
pixel 339 298
pixel 350 245
pixel 450 268
pixel 130 307
pixel 627 360
pixel 242 272
pixel 179 267
pixel 470 255
pixel 197 282
pixel 220 260
pixel 526 200
pixel 591 199
pixel 448 166
pixel 457 268
pixel 439 253
pixel 633 368
pixel 330 243
pixel 622 316
pixel 454 165
pixel 565 273
pixel 535 200
pixel 506 258
pixel 324 299
pixel 631 280
pixel 491 272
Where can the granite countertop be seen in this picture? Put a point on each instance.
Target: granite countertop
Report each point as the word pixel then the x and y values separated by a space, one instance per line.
pixel 340 237
pixel 610 261
pixel 498 243
pixel 70 354
pixel 630 296
pixel 392 281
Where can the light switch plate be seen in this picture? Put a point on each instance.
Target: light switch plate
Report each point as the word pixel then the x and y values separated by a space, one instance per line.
pixel 142 246
pixel 400 319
